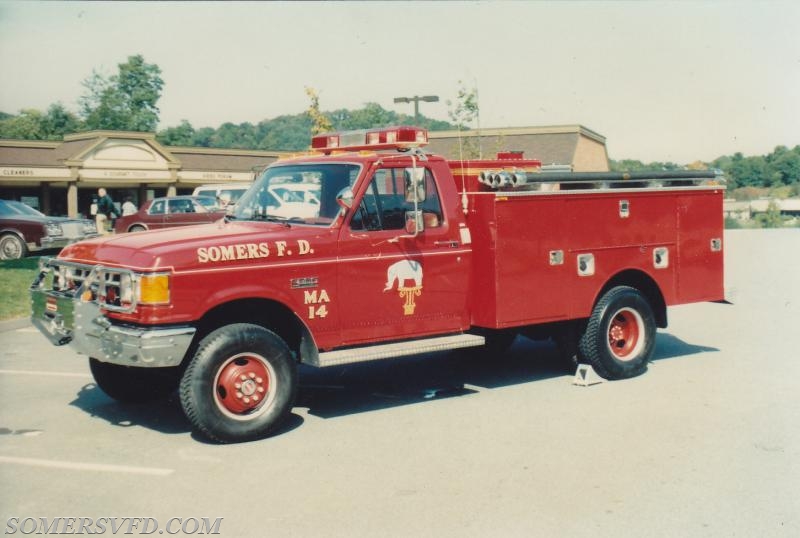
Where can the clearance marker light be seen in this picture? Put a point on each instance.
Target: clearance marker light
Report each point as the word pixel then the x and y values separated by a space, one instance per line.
pixel 371 139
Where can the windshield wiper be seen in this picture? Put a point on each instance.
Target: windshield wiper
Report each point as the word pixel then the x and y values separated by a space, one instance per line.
pixel 271 218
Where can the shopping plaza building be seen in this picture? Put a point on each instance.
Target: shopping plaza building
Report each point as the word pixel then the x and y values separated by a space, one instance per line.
pixel 60 178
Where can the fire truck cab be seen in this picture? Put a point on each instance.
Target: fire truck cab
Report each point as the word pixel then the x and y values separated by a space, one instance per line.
pixel 402 252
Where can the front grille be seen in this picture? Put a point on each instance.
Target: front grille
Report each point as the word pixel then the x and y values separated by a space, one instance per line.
pixel 109 287
pixel 68 278
pixel 73 230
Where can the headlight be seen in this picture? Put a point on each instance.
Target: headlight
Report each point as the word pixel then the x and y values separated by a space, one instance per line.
pixel 89 227
pixel 154 289
pixel 53 228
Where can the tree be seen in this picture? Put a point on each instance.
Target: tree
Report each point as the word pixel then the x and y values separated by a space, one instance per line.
pixel 32 124
pixel 125 101
pixel 463 111
pixel 182 135
pixel 59 121
pixel 772 218
pixel 320 123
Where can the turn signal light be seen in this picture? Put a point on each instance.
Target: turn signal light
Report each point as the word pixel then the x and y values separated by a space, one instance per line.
pixel 154 289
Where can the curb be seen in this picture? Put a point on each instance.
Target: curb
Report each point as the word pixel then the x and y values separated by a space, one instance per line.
pixel 14 324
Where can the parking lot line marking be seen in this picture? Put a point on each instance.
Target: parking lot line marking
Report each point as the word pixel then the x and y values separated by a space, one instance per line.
pixel 40 373
pixel 75 466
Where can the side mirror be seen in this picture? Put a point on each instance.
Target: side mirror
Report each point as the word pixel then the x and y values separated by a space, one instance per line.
pixel 345 198
pixel 415 184
pixel 415 223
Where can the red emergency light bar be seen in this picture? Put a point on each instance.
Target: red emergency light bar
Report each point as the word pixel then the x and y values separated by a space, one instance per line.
pixel 371 139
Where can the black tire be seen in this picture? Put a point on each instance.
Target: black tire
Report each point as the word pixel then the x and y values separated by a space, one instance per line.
pixel 240 385
pixel 137 228
pixel 620 336
pixel 132 384
pixel 12 247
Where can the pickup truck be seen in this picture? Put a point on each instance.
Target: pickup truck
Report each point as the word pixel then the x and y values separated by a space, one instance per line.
pixel 406 252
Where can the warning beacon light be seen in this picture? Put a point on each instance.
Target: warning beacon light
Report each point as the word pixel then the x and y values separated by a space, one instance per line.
pixel 399 138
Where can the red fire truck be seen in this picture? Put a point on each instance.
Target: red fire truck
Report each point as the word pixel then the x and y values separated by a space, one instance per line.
pixel 399 252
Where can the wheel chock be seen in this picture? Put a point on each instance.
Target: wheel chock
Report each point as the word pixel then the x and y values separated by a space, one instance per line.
pixel 586 376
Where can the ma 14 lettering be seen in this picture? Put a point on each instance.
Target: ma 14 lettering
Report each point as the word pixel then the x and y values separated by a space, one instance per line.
pixel 317 303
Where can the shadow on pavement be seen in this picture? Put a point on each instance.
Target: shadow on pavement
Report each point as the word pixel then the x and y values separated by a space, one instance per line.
pixel 165 415
pixel 360 388
pixel 671 347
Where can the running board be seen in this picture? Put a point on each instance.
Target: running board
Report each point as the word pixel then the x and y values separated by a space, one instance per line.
pixel 397 349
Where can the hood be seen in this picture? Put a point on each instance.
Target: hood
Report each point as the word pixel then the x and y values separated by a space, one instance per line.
pixel 197 247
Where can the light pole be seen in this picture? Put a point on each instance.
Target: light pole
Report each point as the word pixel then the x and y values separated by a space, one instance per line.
pixel 416 99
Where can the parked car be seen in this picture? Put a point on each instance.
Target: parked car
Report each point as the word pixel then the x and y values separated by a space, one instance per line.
pixel 24 229
pixel 171 211
pixel 225 193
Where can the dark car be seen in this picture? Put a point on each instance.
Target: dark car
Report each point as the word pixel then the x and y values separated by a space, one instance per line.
pixel 24 229
pixel 170 211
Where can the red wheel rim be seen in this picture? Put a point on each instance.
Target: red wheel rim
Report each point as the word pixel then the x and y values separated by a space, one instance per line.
pixel 244 386
pixel 625 334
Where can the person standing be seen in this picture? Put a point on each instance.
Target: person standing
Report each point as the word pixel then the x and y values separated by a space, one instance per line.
pixel 128 207
pixel 105 210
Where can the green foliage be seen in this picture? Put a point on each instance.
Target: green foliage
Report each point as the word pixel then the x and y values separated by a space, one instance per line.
pixel 182 135
pixel 732 223
pixel 15 280
pixel 289 132
pixel 32 124
pixel 320 123
pixel 632 165
pixel 781 167
pixel 462 112
pixel 772 218
pixel 125 101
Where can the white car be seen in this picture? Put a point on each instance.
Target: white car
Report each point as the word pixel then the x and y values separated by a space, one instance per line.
pixel 294 200
pixel 226 194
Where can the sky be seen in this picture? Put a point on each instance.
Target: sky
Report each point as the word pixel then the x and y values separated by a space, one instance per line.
pixel 662 81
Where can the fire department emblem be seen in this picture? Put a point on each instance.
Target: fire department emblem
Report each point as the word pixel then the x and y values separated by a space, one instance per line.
pixel 400 274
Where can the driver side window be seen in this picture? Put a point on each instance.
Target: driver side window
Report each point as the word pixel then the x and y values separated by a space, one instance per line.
pixel 384 206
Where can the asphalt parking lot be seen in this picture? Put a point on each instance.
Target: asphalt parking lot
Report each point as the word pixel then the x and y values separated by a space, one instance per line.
pixel 705 444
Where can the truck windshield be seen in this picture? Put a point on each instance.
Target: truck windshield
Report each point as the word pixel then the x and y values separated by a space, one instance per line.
pixel 304 193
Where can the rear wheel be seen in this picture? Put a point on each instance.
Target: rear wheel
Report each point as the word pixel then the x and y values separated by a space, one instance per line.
pixel 137 228
pixel 240 385
pixel 12 247
pixel 620 336
pixel 133 384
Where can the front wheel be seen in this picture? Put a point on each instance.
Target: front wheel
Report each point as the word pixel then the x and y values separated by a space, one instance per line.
pixel 240 385
pixel 620 336
pixel 12 247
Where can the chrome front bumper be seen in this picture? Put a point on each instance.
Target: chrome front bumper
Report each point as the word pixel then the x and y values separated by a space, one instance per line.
pixel 63 319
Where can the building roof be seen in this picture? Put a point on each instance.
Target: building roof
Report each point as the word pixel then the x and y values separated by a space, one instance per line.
pixel 223 160
pixel 76 147
pixel 555 144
